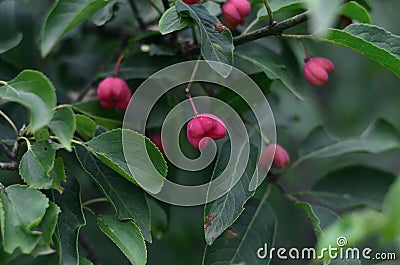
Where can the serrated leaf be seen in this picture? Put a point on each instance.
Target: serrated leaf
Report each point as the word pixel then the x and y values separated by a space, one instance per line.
pixel 109 118
pixel 254 228
pixel 215 46
pixel 64 16
pixel 19 218
pixel 272 69
pixel 58 175
pixel 34 91
pixel 63 126
pixel 356 11
pixel 110 148
pixel 128 200
pixel 36 165
pixel 85 126
pixel 226 209
pixel 126 236
pixel 279 6
pixel 372 41
pixel 170 21
pixel 70 221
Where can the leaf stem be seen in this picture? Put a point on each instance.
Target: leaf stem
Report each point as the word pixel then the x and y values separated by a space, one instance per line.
pixel 270 14
pixel 3 83
pixel 28 143
pixel 6 151
pixel 12 124
pixel 296 37
pixel 95 200
pixel 306 53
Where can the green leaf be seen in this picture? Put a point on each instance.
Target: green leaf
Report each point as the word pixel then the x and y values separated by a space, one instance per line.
pixel 58 175
pixel 34 91
pixel 19 219
pixel 240 244
pixel 279 6
pixel 391 210
pixel 359 184
pixel 109 118
pixel 226 209
pixel 372 41
pixel 128 200
pixel 70 221
pixel 85 126
pixel 126 236
pixel 110 147
pixel 36 165
pixel 159 219
pixel 379 137
pixel 10 36
pixel 64 16
pixel 215 46
pixel 274 70
pixel 63 126
pixel 42 134
pixel 84 261
pixel 170 21
pixel 356 11
pixel 9 43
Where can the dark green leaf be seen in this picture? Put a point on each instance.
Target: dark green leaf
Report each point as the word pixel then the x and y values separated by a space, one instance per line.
pixel 70 221
pixel 159 219
pixel 226 209
pixel 34 91
pixel 10 37
pixel 85 126
pixel 216 46
pixel 171 21
pixel 83 261
pixel 128 200
pixel 63 126
pixel 64 16
pixel 36 165
pixel 240 244
pixel 110 148
pixel 19 219
pixel 356 11
pixel 126 235
pixel 372 41
pixel 391 209
pixel 279 6
pixel 58 175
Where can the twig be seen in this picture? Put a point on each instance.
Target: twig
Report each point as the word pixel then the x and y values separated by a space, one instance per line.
pixel 270 14
pixel 6 151
pixel 95 200
pixel 90 249
pixel 135 11
pixel 9 166
pixel 270 30
pixel 296 37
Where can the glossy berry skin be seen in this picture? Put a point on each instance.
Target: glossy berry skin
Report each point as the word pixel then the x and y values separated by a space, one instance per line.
pixel 234 13
pixel 316 70
pixel 204 127
pixel 191 2
pixel 275 154
pixel 114 92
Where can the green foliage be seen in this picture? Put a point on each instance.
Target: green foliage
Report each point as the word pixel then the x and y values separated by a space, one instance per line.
pixel 63 126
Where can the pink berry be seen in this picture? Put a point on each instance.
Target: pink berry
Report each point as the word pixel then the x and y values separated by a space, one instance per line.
pixel 204 127
pixel 234 12
pixel 316 70
pixel 114 92
pixel 191 2
pixel 275 154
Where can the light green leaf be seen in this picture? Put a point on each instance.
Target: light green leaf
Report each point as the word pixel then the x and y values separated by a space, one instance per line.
pixel 109 118
pixel 171 21
pixel 240 244
pixel 379 137
pixel 64 16
pixel 58 175
pixel 85 126
pixel 272 69
pixel 110 147
pixel 36 165
pixel 128 200
pixel 126 235
pixel 84 261
pixel 34 91
pixel 226 209
pixel 20 219
pixel 63 126
pixel 391 210
pixel 279 6
pixel 356 11
pixel 70 221
pixel 372 41
pixel 215 46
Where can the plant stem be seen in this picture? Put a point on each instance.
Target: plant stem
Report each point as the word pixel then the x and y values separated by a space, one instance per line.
pixel 3 83
pixel 270 14
pixel 296 37
pixel 90 249
pixel 284 192
pixel 271 30
pixel 12 124
pixel 189 86
pixel 306 53
pixel 116 69
pixel 95 200
pixel 28 143
pixel 9 166
pixel 195 41
pixel 6 151
pixel 135 11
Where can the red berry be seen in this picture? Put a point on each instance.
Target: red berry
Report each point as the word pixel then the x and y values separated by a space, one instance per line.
pixel 191 2
pixel 204 127
pixel 114 92
pixel 275 154
pixel 234 12
pixel 316 70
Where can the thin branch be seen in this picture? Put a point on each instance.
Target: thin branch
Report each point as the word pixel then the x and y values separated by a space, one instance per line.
pixel 296 37
pixel 90 249
pixel 270 14
pixel 270 30
pixel 135 11
pixel 9 166
pixel 95 200
pixel 6 151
